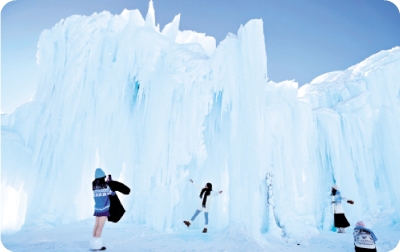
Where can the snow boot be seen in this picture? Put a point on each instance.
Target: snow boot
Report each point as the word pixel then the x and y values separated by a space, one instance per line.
pixel 204 230
pixel 187 223
pixel 341 230
pixel 96 244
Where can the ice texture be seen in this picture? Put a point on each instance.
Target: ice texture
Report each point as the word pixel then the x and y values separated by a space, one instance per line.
pixel 156 108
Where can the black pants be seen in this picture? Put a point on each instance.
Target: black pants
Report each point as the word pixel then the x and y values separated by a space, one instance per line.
pixel 364 249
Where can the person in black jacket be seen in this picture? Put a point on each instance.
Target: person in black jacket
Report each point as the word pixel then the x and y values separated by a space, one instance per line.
pixel 116 208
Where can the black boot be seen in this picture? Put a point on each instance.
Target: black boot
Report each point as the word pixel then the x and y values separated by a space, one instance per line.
pixel 187 223
pixel 204 230
pixel 102 248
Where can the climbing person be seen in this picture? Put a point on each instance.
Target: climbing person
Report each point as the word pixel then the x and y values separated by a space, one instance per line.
pixel 101 192
pixel 205 200
pixel 340 221
pixel 364 238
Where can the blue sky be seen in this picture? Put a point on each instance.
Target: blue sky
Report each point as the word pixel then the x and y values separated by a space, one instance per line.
pixel 304 38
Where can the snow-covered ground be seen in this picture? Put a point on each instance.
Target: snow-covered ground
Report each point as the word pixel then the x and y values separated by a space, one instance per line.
pixel 131 237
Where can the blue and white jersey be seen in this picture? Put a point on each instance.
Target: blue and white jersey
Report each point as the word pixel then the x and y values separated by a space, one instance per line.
pixel 102 202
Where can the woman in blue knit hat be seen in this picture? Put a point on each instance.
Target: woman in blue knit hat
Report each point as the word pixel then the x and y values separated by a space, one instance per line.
pixel 364 238
pixel 101 207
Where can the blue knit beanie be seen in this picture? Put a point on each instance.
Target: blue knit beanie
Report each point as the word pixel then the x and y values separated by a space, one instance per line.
pixel 99 173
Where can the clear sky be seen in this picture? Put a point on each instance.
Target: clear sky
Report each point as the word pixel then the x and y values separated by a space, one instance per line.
pixel 304 38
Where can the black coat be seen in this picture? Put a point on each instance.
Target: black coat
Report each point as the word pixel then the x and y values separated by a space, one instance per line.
pixel 116 208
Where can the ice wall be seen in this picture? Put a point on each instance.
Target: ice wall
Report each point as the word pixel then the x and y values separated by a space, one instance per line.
pixel 156 108
pixel 358 116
